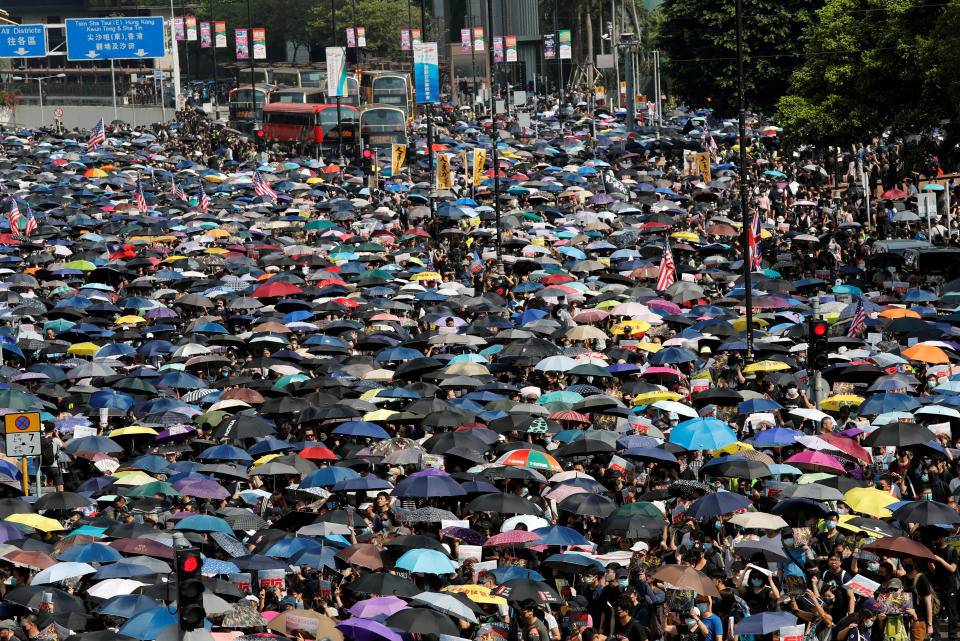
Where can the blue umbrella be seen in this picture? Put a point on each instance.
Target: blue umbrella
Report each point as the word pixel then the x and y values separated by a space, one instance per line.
pixel 151 463
pixel 90 553
pixel 224 453
pixel 716 504
pixel 888 402
pixel 204 523
pixel 148 624
pixel 316 557
pixel 425 561
pixel 111 398
pixel 754 405
pixel 359 629
pixel 217 566
pixel 127 605
pixel 361 428
pixel 672 354
pixel 259 562
pixel 765 623
pixel 362 484
pixel 776 437
pixel 559 535
pixel 286 548
pixel 121 571
pixel 702 434
pixel 328 476
pixel 573 559
pixel 428 486
pixel 652 454
pixel 510 572
pixel 92 444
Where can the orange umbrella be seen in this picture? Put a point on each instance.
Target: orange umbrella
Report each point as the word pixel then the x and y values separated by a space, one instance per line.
pixel 95 173
pixel 331 169
pixel 926 354
pixel 899 312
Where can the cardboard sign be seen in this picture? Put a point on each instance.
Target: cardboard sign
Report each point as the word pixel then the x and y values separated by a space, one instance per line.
pixel 242 580
pixel 271 578
pixel 862 585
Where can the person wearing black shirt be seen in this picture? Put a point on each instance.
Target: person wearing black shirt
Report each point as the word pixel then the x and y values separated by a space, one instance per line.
pixel 830 539
pixel 944 581
pixel 625 627
pixel 919 586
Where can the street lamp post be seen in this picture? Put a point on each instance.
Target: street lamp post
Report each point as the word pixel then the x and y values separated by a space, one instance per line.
pixel 40 89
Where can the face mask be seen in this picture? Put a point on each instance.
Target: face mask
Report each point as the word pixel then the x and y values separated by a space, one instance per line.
pixel 707 546
pixel 756 582
pixel 846 555
pixel 690 622
pixel 908 568
pixel 924 477
pixel 788 543
pixel 868 624
pixel 702 607
pixel 928 497
pixel 623 583
pixel 831 525
pixel 717 524
pixel 931 384
pixel 590 580
pixel 873 567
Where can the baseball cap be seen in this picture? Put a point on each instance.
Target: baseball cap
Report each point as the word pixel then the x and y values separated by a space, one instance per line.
pixel 622 574
pixel 871 605
pixel 895 584
pixel 8 624
pixel 640 546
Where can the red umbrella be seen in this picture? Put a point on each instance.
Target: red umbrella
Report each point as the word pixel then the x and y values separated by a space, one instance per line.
pixel 318 454
pixel 893 194
pixel 276 289
pixel 569 416
pixel 847 446
pixel 142 546
pixel 899 546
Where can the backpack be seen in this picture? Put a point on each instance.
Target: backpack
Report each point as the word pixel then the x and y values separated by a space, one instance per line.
pixel 48 456
pixel 894 629
pixel 934 597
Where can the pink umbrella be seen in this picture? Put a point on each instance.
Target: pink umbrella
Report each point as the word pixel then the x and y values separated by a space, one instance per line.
pixel 511 537
pixel 563 491
pixel 667 306
pixel 662 372
pixel 815 462
pixel 591 316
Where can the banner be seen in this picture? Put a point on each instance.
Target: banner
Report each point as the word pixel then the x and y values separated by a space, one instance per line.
pixel 549 46
pixel 404 40
pixel 242 580
pixel 178 29
pixel 479 158
pixel 426 71
pixel 465 44
pixel 351 38
pixel 478 38
pixel 271 578
pixel 566 50
pixel 399 155
pixel 498 48
pixel 361 37
pixel 415 36
pixel 336 72
pixel 220 33
pixel 701 165
pixel 511 48
pixel 444 179
pixel 191 27
pixel 243 49
pixel 206 41
pixel 259 44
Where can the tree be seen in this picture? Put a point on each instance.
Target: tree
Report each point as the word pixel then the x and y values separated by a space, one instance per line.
pixel 699 49
pixel 863 70
pixel 382 19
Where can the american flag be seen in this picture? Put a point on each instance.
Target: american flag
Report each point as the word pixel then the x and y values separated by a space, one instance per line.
pixel 477 264
pixel 14 217
pixel 97 136
pixel 141 201
pixel 667 274
pixel 262 187
pixel 753 241
pixel 204 199
pixel 31 225
pixel 179 193
pixel 859 320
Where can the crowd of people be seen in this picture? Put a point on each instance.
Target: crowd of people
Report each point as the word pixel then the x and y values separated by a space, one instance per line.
pixel 376 416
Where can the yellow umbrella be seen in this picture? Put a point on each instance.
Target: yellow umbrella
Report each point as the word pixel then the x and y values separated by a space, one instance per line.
pixel 36 521
pixel 476 593
pixel 378 415
pixel 467 368
pixel 133 430
pixel 765 366
pixel 733 448
pixel 371 394
pixel 653 348
pixel 265 459
pixel 688 236
pixel 83 349
pixel 632 327
pixel 129 319
pixel 741 323
pixel 426 276
pixel 133 477
pixel 834 403
pixel 216 250
pixel 171 259
pixel 313 180
pixel 653 397
pixel 870 501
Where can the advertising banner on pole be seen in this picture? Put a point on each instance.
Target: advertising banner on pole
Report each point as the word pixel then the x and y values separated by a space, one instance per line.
pixel 478 38
pixel 206 40
pixel 404 40
pixel 361 37
pixel 178 31
pixel 351 38
pixel 337 72
pixel 566 49
pixel 191 27
pixel 426 70
pixel 220 34
pixel 259 44
pixel 549 46
pixel 465 40
pixel 243 47
pixel 498 48
pixel 511 48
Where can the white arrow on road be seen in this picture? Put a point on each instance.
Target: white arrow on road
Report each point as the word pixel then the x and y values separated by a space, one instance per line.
pixel 21 51
pixel 92 54
pixel 139 52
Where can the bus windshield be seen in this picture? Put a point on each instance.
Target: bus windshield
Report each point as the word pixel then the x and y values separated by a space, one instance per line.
pixel 382 120
pixel 261 75
pixel 289 78
pixel 328 122
pixel 390 90
pixel 245 96
pixel 311 78
pixel 288 96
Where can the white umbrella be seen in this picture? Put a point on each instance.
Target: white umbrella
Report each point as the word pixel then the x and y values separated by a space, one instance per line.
pixel 758 520
pixel 113 587
pixel 62 571
pixel 532 522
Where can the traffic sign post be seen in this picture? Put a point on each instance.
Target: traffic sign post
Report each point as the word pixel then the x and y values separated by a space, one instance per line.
pixel 23 41
pixel 115 38
pixel 23 440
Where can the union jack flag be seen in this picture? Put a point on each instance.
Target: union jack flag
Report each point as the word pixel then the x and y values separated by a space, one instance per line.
pixel 97 136
pixel 477 264
pixel 859 320
pixel 753 241
pixel 262 187
pixel 31 225
pixel 204 199
pixel 667 273
pixel 141 200
pixel 14 217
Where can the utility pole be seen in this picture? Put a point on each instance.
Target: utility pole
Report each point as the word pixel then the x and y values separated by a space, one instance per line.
pixel 745 230
pixel 213 49
pixel 628 45
pixel 494 136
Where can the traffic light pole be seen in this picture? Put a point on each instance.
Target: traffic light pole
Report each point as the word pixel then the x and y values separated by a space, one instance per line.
pixel 816 377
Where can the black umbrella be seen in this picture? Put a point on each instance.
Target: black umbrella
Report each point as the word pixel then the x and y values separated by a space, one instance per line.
pixel 926 513
pixel 423 621
pixel 634 526
pixel 898 435
pixel 585 447
pixel 587 504
pixel 503 504
pixel 384 584
pixel 31 596
pixel 414 541
pixel 517 590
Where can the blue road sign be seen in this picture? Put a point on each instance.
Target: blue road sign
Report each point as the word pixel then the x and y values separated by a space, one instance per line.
pixel 23 41
pixel 115 38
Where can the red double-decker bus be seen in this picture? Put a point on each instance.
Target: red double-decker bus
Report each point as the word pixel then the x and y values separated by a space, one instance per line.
pixel 312 126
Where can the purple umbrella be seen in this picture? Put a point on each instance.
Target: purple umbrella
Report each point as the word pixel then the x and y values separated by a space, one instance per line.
pixel 600 199
pixel 160 312
pixel 175 432
pixel 385 605
pixel 9 533
pixel 201 488
pixel 365 630
pixel 465 534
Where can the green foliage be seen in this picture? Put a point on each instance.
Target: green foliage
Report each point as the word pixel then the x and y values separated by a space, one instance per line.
pixel 866 68
pixel 699 45
pixel 382 19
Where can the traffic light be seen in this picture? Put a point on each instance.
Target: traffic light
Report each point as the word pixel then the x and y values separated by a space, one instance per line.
pixel 368 162
pixel 818 349
pixel 190 613
pixel 261 138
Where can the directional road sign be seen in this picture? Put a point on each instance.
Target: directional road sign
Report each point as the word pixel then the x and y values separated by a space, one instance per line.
pixel 23 41
pixel 115 38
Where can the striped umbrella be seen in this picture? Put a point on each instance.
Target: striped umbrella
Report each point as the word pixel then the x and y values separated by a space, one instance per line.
pixel 532 459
